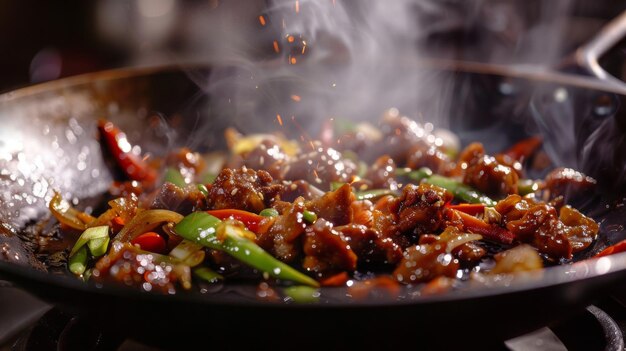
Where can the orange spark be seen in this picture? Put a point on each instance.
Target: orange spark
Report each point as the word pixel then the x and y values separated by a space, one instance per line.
pixel 291 39
pixel 292 60
pixel 276 47
pixel 297 6
pixel 279 119
pixel 262 20
pixel 296 98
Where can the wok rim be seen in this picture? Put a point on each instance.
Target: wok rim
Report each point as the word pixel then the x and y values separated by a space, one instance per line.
pixel 561 275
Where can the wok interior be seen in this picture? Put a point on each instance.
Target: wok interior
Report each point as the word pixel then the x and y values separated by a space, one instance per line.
pixel 48 142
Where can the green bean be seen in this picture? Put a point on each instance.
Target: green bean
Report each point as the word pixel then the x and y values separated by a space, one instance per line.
pixel 302 294
pixel 202 228
pixel 460 190
pixel 207 274
pixel 78 261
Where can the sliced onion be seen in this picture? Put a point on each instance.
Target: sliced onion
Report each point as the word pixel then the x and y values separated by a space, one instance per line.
pixel 145 221
pixel 521 258
pixel 460 240
pixel 454 238
pixel 68 215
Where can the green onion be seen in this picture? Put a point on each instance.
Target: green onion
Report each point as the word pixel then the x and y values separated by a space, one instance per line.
pixel 309 216
pixel 89 234
pixel 269 212
pixel 98 246
pixel 78 261
pixel 460 190
pixel 173 176
pixel 207 274
pixel 302 294
pixel 202 228
pixel 188 253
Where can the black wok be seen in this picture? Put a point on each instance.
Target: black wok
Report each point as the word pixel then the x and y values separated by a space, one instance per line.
pixel 47 141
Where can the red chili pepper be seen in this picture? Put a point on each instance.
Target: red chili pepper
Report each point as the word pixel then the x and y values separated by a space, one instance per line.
pixel 613 249
pixel 471 209
pixel 524 148
pixel 150 241
pixel 489 231
pixel 131 164
pixel 249 219
pixel 336 280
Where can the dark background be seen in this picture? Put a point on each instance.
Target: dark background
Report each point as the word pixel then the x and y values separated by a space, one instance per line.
pixel 47 40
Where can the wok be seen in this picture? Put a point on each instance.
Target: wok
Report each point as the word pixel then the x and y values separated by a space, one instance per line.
pixel 47 141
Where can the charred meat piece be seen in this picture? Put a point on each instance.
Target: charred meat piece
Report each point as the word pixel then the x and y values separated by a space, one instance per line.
pixel 282 238
pixel 570 184
pixel 320 167
pixel 243 189
pixel 326 250
pixel 174 198
pixel 371 246
pixel 334 206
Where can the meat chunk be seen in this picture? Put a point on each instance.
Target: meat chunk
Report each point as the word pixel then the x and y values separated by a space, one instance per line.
pixel 485 173
pixel 570 184
pixel 371 246
pixel 538 224
pixel 326 250
pixel 419 210
pixel 282 238
pixel 243 189
pixel 400 135
pixel 299 188
pixel 268 156
pixel 429 155
pixel 580 230
pixel 184 201
pixel 423 263
pixel 320 167
pixel 492 178
pixel 334 206
pixel 382 172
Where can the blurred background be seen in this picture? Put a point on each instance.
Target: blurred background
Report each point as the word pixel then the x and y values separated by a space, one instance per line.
pixel 47 40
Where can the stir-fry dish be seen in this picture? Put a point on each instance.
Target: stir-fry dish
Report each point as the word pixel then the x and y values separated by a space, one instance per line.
pixel 385 205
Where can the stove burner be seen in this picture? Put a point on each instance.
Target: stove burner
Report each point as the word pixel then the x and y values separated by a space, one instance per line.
pixel 592 329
